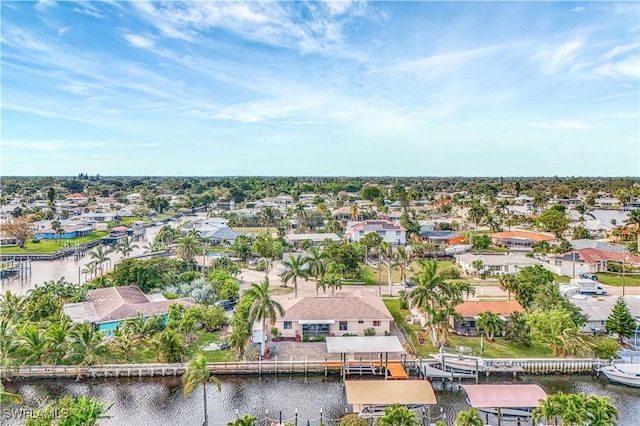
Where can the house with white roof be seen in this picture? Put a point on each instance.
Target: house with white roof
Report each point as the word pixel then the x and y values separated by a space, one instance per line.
pixel 390 232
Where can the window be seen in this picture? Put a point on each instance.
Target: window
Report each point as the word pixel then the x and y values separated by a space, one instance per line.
pixel 361 233
pixel 398 233
pixel 376 323
pixel 287 325
pixel 344 325
pixel 382 233
pixel 360 321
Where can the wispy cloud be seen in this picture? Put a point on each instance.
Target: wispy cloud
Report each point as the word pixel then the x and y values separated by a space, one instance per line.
pixel 565 124
pixel 139 41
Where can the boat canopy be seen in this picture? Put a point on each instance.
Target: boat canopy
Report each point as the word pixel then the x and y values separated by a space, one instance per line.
pixel 363 344
pixel 385 392
pixel 505 396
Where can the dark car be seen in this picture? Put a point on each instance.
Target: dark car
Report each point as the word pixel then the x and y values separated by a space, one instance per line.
pixel 227 304
pixel 409 284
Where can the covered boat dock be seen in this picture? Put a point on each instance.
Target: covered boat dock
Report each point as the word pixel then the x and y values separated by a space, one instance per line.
pixel 374 346
pixel 369 397
pixel 505 400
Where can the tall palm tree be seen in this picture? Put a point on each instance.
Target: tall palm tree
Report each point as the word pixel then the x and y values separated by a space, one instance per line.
pixel 55 337
pixel 7 344
pixel 581 208
pixel 403 258
pixel 188 247
pixel 167 235
pixel 490 323
pixel 295 268
pixel 269 217
pixel 601 411
pixel 395 415
pixel 508 283
pixel 387 251
pixel 126 247
pixel 263 308
pixel 30 343
pixel 198 374
pixel 634 219
pixel 317 265
pixel 100 257
pixel 300 212
pixel 550 409
pixel 89 269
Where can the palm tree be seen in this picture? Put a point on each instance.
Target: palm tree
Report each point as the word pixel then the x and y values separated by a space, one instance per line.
pixel 167 235
pixel 601 411
pixel 387 250
pixel 125 341
pixel 299 212
pixel 508 283
pixel 316 264
pixel 85 345
pixel 470 417
pixel 582 209
pixel 549 409
pixel 30 344
pixel 169 346
pixel 269 217
pixel 198 374
pixel 263 308
pixel 89 269
pixel 476 212
pixel 395 415
pixel 100 257
pixel 5 396
pixel 188 247
pixel 7 346
pixel 490 323
pixel 634 219
pixel 125 246
pixel 56 340
pixel 354 212
pixel 243 421
pixel 403 258
pixel 295 268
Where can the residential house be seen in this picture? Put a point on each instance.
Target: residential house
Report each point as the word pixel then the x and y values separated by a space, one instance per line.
pixel 518 240
pixel 495 264
pixel 607 202
pixel 597 309
pixel 70 231
pixel 107 308
pixel 589 260
pixel 76 197
pixel 449 238
pixel 351 313
pixel 316 239
pixel 390 232
pixel 471 310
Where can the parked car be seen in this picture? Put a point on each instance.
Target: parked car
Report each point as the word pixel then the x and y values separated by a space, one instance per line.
pixel 593 277
pixel 409 284
pixel 227 304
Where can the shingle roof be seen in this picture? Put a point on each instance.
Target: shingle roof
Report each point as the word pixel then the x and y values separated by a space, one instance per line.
pixel 591 255
pixel 338 308
pixel 443 235
pixel 385 225
pixel 118 303
pixel 499 307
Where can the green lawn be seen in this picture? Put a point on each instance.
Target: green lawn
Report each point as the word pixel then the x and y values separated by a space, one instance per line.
pixel 255 229
pixel 50 246
pixel 616 279
pixel 498 349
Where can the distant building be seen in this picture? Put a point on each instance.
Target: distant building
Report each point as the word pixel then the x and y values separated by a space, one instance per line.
pixel 70 231
pixel 449 238
pixel 495 264
pixel 316 239
pixel 598 309
pixel 107 308
pixel 518 240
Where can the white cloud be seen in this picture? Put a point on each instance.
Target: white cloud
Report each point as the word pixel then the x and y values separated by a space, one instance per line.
pixel 629 67
pixel 578 9
pixel 617 50
pixel 62 31
pixel 443 63
pixel 558 58
pixel 139 41
pixel 565 124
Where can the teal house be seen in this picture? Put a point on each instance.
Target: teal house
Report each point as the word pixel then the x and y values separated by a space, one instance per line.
pixel 107 308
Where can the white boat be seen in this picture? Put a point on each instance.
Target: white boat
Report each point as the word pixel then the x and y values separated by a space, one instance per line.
pixel 460 362
pixel 626 374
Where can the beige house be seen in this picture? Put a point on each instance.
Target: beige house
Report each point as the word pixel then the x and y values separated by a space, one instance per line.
pixel 351 313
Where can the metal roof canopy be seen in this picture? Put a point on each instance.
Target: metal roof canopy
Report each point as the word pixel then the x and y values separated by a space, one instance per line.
pixel 363 344
pixel 382 392
pixel 505 396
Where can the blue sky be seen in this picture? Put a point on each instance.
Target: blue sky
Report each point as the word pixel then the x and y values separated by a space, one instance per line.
pixel 331 88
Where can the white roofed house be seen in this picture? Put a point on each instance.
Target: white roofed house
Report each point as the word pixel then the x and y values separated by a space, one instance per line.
pixel 316 239
pixel 352 313
pixel 390 232
pixel 495 264
pixel 598 309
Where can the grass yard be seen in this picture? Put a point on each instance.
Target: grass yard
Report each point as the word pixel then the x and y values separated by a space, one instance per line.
pixel 50 246
pixel 498 349
pixel 616 279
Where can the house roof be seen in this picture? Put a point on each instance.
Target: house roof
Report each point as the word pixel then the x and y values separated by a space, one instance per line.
pixel 525 235
pixel 599 245
pixel 599 308
pixel 498 259
pixel 439 235
pixel 377 224
pixel 119 229
pixel 338 308
pixel 313 237
pixel 591 255
pixel 387 392
pixel 75 195
pixel 118 303
pixel 364 344
pixel 499 307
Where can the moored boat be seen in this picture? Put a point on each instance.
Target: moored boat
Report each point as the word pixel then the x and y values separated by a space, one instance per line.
pixel 626 374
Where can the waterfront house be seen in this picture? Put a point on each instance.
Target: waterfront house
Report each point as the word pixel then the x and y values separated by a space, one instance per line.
pixel 589 260
pixel 598 308
pixel 495 264
pixel 471 310
pixel 350 313
pixel 107 308
pixel 519 240
pixel 390 232
pixel 70 231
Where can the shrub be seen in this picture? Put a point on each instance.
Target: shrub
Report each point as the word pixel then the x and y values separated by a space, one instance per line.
pixel 353 420
pixel 606 348
pixel 305 338
pixel 453 273
pixel 370 331
pixel 387 333
pixel 348 334
pixel 275 332
pixel 318 339
pixel 252 353
pixel 404 300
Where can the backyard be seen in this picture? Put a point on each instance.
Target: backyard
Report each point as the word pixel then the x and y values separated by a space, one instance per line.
pixel 50 246
pixel 498 349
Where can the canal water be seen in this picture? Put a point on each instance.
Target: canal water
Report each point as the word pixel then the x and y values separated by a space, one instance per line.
pixel 159 401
